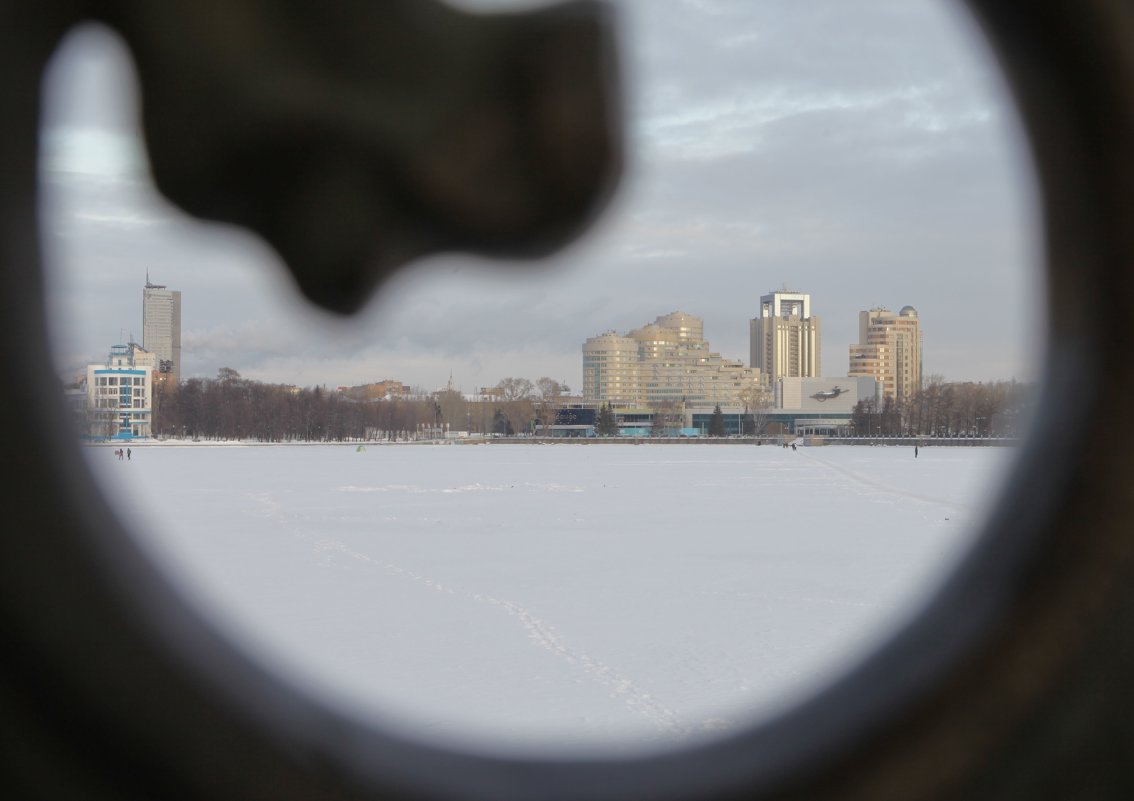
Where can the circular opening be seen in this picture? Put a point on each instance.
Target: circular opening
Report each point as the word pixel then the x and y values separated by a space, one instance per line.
pixel 519 615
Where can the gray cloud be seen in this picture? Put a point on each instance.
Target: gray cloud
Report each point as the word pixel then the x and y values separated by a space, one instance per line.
pixel 862 152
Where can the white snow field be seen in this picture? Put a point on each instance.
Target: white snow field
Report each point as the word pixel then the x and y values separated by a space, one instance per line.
pixel 602 598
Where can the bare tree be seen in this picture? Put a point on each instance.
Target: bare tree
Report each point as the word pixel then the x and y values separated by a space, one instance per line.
pixel 521 414
pixel 757 400
pixel 667 418
pixel 517 402
pixel 551 390
pixel 551 393
pixel 513 389
pixel 452 407
pixel 866 419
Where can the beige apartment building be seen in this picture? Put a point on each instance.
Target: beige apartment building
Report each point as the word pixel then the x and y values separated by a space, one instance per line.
pixel 387 389
pixel 664 363
pixel 889 351
pixel 785 337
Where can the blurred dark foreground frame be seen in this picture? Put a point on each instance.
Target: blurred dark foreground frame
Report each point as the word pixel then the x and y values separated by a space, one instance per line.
pixel 1016 681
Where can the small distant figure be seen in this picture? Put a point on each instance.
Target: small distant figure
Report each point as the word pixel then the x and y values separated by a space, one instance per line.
pixel 793 446
pixel 127 454
pixel 118 453
pixel 915 451
pixel 359 449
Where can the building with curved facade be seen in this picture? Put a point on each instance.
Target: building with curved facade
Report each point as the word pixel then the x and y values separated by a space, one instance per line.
pixel 665 363
pixel 611 370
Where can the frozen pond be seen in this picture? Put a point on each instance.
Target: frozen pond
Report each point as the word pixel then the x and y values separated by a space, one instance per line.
pixel 599 597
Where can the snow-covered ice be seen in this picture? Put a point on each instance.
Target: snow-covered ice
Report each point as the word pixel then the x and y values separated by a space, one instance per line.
pixel 597 597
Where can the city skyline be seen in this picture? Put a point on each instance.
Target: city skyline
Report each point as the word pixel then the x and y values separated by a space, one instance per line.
pixel 166 343
pixel 884 170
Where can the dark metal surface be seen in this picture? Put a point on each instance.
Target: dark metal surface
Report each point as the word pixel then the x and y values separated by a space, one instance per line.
pixel 469 132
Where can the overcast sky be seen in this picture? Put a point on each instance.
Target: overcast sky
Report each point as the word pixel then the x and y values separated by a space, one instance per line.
pixel 859 150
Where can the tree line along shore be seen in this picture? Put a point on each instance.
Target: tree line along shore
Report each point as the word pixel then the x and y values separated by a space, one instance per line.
pixel 230 407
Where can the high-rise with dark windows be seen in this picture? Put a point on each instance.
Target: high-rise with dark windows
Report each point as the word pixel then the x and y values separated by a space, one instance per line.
pixel 161 329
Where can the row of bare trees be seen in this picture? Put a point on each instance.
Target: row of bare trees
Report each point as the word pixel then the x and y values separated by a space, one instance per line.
pixel 230 407
pixel 521 406
pixel 941 409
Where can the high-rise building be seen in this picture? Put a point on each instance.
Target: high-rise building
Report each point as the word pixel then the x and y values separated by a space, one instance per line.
pixel 663 364
pixel 611 370
pixel 889 351
pixel 785 337
pixel 161 328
